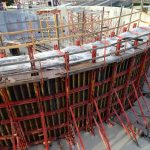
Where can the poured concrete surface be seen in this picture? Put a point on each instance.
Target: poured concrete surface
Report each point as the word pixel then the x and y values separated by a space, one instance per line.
pixel 118 141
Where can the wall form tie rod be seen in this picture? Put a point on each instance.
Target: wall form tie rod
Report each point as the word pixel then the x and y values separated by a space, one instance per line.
pixel 112 84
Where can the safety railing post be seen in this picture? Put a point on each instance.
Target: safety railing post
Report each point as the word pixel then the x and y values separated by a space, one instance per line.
pixel 94 54
pixel 118 47
pixel 112 34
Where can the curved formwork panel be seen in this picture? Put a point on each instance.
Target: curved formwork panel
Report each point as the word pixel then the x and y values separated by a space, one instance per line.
pixel 57 93
pixel 39 108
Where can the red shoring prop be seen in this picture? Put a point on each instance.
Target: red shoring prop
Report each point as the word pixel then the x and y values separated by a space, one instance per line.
pixel 144 100
pixel 123 125
pixel 76 127
pixel 134 112
pixel 101 128
pixel 126 116
pixel 140 106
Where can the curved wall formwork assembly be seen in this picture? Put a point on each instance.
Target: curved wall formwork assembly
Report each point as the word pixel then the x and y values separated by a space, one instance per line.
pixel 56 94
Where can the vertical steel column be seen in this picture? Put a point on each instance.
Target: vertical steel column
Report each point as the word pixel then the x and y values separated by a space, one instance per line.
pixel 31 56
pixel 112 84
pixel 40 106
pixel 12 130
pixel 92 23
pixel 76 127
pixel 142 2
pixel 83 26
pixel 89 117
pixel 94 54
pixel 105 49
pixel 130 17
pixel 102 21
pixel 117 32
pixel 67 89
pixel 129 74
pixel 57 29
